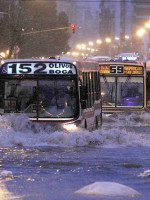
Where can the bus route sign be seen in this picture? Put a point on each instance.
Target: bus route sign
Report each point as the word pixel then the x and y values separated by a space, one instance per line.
pixel 133 70
pixel 121 69
pixel 39 68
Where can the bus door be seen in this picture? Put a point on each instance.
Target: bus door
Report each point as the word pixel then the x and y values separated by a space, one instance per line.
pixel 148 88
pixel 108 90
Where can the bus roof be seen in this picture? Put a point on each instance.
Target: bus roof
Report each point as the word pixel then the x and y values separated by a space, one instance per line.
pixel 122 62
pixel 80 65
pixel 35 60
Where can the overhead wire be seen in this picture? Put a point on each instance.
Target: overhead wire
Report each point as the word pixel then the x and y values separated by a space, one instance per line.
pixel 94 1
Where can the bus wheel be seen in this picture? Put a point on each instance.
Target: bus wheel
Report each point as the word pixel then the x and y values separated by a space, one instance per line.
pixel 85 125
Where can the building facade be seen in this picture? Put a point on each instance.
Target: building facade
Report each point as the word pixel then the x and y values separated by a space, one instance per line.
pixel 86 17
pixel 116 22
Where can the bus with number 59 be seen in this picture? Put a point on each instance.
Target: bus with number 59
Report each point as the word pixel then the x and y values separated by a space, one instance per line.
pixel 52 91
pixel 123 86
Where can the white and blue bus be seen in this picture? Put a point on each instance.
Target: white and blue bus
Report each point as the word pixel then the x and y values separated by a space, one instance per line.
pixel 52 91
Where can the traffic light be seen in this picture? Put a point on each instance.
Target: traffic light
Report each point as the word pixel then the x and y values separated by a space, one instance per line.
pixel 73 26
pixel 136 53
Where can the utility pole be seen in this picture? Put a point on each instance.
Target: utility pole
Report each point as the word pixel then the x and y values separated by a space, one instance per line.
pixel 9 36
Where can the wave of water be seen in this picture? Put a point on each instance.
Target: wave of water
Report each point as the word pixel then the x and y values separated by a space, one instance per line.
pixel 128 120
pixel 19 131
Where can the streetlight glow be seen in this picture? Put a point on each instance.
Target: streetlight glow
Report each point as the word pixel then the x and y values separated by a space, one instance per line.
pixel 117 38
pixel 99 42
pixel 108 40
pixel 147 25
pixel 79 46
pixel 84 48
pixel 91 43
pixel 141 32
pixel 126 37
pixel 3 54
pixel 83 45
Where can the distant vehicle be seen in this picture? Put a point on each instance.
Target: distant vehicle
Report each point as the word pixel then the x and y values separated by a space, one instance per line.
pixel 52 91
pixel 99 58
pixel 67 59
pixel 126 57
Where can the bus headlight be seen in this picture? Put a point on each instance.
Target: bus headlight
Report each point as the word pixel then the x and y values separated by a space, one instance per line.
pixel 70 127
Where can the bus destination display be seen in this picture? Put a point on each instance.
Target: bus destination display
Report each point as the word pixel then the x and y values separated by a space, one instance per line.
pixel 121 69
pixel 38 68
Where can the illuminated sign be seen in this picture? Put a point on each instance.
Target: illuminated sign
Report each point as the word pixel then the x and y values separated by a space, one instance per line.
pixel 120 69
pixel 39 68
pixel 133 70
pixel 105 69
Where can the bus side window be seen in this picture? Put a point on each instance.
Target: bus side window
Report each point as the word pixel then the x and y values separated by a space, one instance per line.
pixel 84 91
pixel 148 86
pixel 83 96
pixel 1 93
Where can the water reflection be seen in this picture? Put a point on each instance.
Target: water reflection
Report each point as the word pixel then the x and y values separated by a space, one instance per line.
pixel 5 194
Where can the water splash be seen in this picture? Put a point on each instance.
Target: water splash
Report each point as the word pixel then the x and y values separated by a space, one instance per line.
pixel 19 131
pixel 146 173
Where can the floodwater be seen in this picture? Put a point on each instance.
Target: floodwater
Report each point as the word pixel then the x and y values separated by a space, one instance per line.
pixel 43 163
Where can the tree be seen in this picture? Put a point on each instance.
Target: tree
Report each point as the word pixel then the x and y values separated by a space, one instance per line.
pixel 106 27
pixel 32 16
pixel 10 25
pixel 40 16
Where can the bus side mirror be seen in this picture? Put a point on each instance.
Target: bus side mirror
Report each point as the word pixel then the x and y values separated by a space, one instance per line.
pixel 83 93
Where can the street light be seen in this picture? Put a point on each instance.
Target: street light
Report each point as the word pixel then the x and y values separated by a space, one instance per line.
pixel 144 34
pixel 79 46
pixel 3 54
pixel 117 38
pixel 147 25
pixel 91 43
pixel 141 32
pixel 107 40
pixel 99 42
pixel 126 37
pixel 83 46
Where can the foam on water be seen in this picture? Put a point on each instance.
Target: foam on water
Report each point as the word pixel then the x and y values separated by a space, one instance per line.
pixel 18 130
pixel 6 173
pixel 127 119
pixel 5 194
pixel 146 173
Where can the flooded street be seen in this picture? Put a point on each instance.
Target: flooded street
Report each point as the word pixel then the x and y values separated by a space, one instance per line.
pixel 39 163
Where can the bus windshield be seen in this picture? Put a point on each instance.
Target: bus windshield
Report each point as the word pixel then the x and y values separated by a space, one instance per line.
pixel 41 97
pixel 122 91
